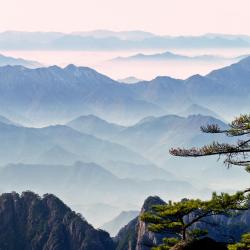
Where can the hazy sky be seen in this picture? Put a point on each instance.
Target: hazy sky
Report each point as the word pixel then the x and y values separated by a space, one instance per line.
pixel 174 17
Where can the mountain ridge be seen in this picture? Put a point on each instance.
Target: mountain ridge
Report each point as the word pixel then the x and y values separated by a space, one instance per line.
pixel 103 40
pixel 32 222
pixel 54 94
pixel 170 56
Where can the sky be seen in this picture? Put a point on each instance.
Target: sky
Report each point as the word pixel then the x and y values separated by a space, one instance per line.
pixel 164 17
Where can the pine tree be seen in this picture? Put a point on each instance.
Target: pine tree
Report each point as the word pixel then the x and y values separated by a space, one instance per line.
pixel 172 219
pixel 235 154
pixel 169 218
pixel 244 244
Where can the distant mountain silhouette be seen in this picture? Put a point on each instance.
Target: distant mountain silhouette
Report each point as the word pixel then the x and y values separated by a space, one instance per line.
pixel 7 60
pixel 110 40
pixel 196 109
pixel 37 145
pixel 93 125
pixel 55 94
pixel 119 221
pixel 169 56
pixel 134 35
pixel 74 183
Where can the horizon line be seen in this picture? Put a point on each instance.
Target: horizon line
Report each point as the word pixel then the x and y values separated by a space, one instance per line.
pixel 120 31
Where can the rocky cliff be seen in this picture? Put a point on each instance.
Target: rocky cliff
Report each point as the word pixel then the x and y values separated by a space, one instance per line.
pixel 29 222
pixel 135 235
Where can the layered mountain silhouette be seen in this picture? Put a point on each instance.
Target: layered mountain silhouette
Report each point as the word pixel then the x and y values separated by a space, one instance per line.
pixel 51 94
pixel 134 35
pixel 29 221
pixel 7 60
pixel 110 40
pixel 93 125
pixel 87 178
pixel 195 109
pixel 152 137
pixel 37 145
pixel 54 94
pixel 128 162
pixel 119 221
pixel 111 148
pixel 169 56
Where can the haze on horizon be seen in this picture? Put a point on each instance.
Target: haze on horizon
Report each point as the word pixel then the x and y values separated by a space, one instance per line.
pixel 231 17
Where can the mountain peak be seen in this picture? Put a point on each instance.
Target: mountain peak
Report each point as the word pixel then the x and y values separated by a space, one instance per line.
pixel 152 201
pixel 195 77
pixel 71 67
pixel 38 222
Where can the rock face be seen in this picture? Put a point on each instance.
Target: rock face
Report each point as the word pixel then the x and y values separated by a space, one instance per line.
pixel 226 229
pixel 127 236
pixel 29 222
pixel 135 235
pixel 147 239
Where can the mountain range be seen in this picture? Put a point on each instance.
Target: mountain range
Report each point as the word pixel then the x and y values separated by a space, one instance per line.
pixel 7 60
pixel 33 222
pixel 135 35
pixel 30 221
pixel 152 137
pixel 63 144
pixel 75 183
pixel 110 139
pixel 139 151
pixel 127 163
pixel 169 56
pixel 110 40
pixel 102 146
pixel 52 95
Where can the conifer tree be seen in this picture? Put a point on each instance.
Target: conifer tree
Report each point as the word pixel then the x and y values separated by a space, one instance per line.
pixel 244 244
pixel 235 154
pixel 170 218
pixel 177 218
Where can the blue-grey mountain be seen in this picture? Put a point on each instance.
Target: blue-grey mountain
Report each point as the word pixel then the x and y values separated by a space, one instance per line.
pixel 110 40
pixel 169 56
pixel 56 94
pixel 119 222
pixel 7 60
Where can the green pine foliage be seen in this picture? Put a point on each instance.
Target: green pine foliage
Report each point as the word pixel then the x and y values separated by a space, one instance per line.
pixel 235 154
pixel 168 243
pixel 170 218
pixel 244 244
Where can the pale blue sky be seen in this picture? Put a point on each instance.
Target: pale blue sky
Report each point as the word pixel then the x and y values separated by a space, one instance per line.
pixel 174 17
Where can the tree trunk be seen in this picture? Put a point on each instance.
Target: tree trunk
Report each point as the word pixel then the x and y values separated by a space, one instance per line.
pixel 184 234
